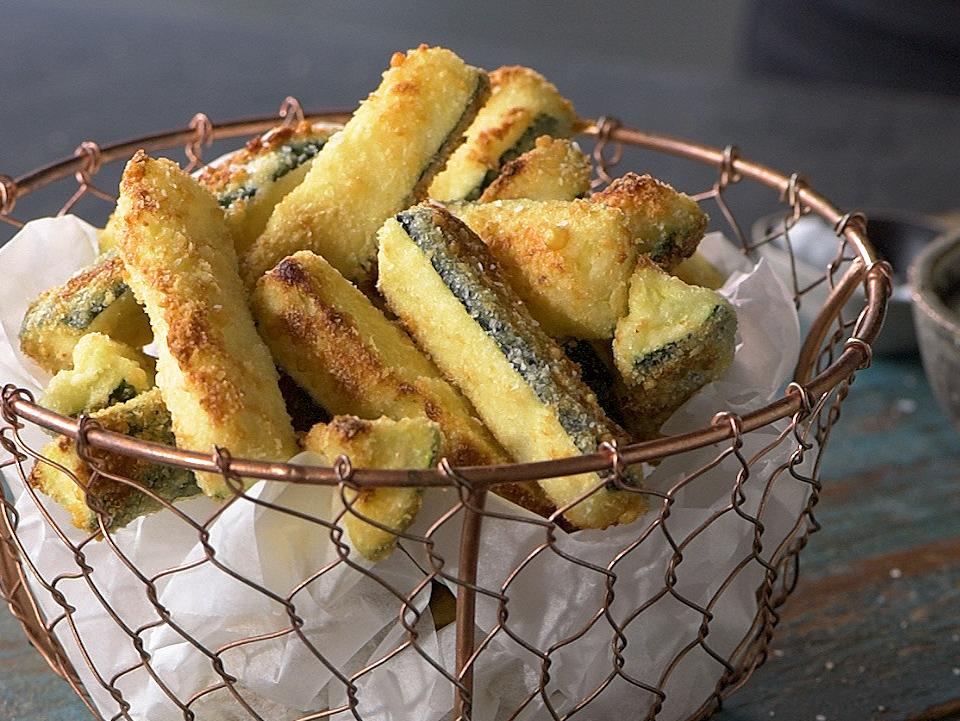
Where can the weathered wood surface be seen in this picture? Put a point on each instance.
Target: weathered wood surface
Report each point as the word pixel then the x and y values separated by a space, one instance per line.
pixel 873 631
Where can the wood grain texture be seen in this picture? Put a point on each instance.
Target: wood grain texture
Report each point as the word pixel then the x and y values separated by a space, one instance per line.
pixel 28 690
pixel 873 630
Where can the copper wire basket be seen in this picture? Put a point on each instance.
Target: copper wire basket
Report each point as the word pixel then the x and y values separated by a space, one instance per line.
pixel 835 347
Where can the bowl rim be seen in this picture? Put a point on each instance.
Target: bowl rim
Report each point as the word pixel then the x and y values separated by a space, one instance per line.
pixel 919 275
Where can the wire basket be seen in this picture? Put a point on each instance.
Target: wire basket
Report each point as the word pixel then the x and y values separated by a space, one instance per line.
pixel 834 348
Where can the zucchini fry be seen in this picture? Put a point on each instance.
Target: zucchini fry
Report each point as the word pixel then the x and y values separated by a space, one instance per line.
pixel 665 224
pixel 554 169
pixel 697 270
pixel 216 375
pixel 382 443
pixel 343 351
pixel 675 339
pixel 349 358
pixel 250 183
pixel 569 261
pixel 105 372
pixel 95 300
pixel 144 417
pixel 522 107
pixel 480 334
pixel 382 161
pixel 107 235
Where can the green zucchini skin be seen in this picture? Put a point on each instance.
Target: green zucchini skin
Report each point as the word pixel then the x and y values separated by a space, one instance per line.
pixel 249 183
pixel 383 160
pixel 675 339
pixel 283 160
pixel 598 371
pixel 530 351
pixel 523 106
pixel 96 299
pixel 144 417
pixel 559 414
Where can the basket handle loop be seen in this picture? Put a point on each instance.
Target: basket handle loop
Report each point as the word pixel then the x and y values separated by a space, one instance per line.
pixel 736 426
pixel 202 129
pixel 791 194
pixel 728 169
pixel 806 398
pixel 8 199
pixel 291 112
pixel 602 163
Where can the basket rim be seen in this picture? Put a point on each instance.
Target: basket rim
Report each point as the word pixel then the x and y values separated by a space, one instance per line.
pixel 866 267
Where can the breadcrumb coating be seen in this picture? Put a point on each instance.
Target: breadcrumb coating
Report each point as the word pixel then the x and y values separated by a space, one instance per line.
pixel 381 162
pixel 216 375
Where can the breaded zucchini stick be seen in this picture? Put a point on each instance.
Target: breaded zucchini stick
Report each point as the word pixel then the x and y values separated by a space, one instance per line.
pixel 665 224
pixel 480 334
pixel 250 182
pixel 523 106
pixel 675 339
pixel 697 270
pixel 343 351
pixel 570 261
pixel 107 235
pixel 554 169
pixel 381 443
pixel 144 417
pixel 216 375
pixel 105 372
pixel 382 161
pixel 95 300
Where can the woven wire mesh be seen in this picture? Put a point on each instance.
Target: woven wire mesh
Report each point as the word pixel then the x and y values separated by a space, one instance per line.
pixel 453 609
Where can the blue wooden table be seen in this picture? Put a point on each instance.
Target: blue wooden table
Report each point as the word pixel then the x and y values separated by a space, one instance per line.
pixel 873 631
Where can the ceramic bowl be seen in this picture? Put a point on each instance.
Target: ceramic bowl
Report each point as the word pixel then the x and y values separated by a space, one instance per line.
pixel 935 279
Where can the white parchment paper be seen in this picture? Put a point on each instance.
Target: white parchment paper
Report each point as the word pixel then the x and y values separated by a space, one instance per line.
pixel 183 612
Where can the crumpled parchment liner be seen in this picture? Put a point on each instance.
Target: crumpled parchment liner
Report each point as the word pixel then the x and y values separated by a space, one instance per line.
pixel 346 613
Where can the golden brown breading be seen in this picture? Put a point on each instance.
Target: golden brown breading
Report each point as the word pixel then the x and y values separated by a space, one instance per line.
pixel 382 161
pixel 249 183
pixel 665 224
pixel 523 106
pixel 216 375
pixel 344 352
pixel 570 261
pixel 381 443
pixel 95 300
pixel 144 417
pixel 480 334
pixel 555 169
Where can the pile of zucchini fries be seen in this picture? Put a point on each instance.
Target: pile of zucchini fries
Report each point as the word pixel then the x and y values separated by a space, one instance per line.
pixel 434 280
